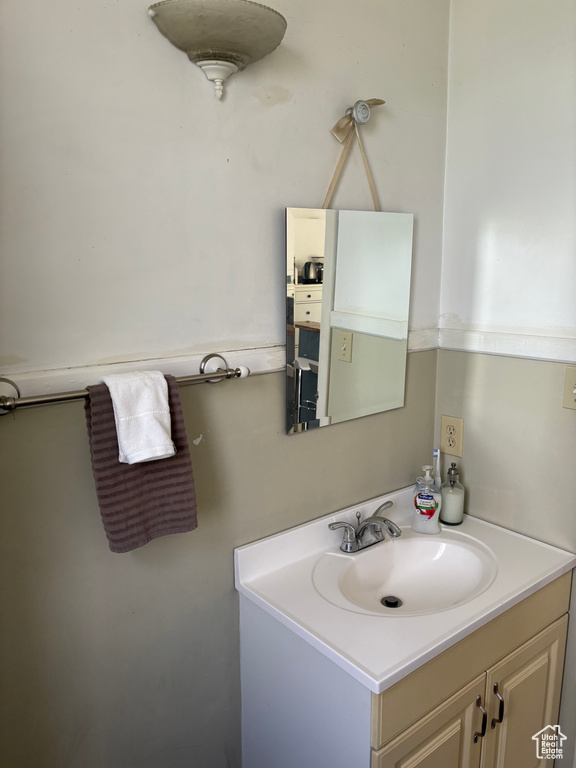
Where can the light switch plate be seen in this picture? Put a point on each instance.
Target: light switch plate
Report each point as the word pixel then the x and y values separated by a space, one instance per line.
pixel 570 387
pixel 344 341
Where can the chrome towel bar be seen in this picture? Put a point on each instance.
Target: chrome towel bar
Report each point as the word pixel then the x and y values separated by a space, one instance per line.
pixel 210 371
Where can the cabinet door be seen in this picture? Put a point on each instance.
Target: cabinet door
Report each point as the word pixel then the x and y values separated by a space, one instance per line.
pixel 529 681
pixel 444 738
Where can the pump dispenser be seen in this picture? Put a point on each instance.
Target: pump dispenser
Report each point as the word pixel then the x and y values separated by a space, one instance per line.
pixel 452 498
pixel 427 504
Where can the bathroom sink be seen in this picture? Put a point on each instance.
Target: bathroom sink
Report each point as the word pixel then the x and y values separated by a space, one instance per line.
pixel 409 576
pixel 450 584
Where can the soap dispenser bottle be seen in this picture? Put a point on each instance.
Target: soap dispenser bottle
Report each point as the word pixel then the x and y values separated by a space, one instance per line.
pixel 452 498
pixel 427 504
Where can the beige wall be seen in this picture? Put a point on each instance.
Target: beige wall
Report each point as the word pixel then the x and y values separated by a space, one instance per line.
pixel 131 661
pixel 518 465
pixel 519 442
pixel 508 269
pixel 122 175
pixel 372 381
pixel 140 218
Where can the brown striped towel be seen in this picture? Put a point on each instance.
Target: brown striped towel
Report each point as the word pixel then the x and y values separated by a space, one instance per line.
pixel 139 502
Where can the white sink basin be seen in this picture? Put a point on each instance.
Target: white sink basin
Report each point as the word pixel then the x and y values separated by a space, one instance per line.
pixel 413 575
pixel 450 584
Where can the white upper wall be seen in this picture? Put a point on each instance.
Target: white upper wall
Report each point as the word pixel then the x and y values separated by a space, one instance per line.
pixel 509 265
pixel 141 218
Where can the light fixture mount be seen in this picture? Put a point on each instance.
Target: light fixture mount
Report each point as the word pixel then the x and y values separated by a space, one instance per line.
pixel 220 36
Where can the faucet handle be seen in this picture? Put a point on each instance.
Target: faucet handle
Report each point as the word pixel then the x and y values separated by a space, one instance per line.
pixel 349 533
pixel 349 541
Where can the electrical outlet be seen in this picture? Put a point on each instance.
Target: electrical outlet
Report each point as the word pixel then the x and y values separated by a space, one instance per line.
pixel 452 435
pixel 570 387
pixel 344 342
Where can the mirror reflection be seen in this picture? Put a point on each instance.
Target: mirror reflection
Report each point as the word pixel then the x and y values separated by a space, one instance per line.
pixel 347 301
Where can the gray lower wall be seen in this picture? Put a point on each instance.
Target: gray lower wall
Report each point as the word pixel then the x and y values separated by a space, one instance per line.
pixel 131 661
pixel 519 461
pixel 519 442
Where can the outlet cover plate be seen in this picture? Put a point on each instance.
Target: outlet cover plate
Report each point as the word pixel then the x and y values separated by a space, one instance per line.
pixel 452 435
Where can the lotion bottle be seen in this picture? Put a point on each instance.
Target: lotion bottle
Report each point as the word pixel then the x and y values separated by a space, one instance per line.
pixel 452 498
pixel 427 504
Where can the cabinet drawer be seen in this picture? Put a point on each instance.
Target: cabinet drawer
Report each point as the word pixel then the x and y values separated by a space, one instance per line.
pixel 407 701
pixel 308 293
pixel 308 311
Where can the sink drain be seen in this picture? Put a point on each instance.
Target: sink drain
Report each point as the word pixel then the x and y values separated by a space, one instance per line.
pixel 390 601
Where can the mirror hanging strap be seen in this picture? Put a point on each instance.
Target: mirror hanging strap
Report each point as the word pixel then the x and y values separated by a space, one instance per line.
pixel 345 130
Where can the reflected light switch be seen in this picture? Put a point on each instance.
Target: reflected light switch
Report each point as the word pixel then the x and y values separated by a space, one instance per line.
pixel 570 387
pixel 344 345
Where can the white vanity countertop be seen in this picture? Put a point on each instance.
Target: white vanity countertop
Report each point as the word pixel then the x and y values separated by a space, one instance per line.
pixel 378 651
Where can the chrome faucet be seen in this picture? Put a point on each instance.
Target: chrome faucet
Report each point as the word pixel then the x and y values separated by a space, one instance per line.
pixel 352 540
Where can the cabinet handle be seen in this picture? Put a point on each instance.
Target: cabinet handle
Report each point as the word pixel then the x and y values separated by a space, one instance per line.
pixel 484 720
pixel 501 707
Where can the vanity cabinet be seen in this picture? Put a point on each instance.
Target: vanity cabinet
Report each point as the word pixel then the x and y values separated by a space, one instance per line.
pixel 519 695
pixel 301 709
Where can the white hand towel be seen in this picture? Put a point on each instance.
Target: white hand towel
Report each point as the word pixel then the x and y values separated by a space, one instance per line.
pixel 142 416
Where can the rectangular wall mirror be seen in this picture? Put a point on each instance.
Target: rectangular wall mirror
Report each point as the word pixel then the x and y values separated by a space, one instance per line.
pixel 347 300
